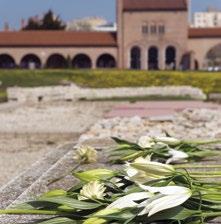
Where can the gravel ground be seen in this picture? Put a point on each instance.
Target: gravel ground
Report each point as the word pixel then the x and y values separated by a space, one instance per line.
pixel 27 132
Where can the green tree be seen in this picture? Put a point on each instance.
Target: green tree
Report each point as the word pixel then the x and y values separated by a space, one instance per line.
pixel 32 25
pixel 49 22
pixel 52 22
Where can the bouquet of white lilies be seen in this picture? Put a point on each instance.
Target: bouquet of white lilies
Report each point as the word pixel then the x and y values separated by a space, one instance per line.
pixel 163 149
pixel 142 191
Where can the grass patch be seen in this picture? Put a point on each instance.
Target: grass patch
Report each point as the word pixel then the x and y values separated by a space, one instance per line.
pixel 209 82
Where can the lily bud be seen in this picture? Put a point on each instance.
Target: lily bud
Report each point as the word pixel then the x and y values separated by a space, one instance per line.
pixel 143 170
pixel 153 168
pixel 168 140
pixel 105 212
pixel 93 175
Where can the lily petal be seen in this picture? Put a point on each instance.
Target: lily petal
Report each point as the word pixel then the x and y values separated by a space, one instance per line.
pixel 128 201
pixel 169 190
pixel 167 202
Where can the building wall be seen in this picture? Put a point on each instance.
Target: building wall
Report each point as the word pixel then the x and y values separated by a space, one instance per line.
pixel 176 34
pixel 200 47
pixel 46 52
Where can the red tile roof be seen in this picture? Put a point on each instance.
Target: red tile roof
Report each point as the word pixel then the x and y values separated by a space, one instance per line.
pixel 154 5
pixel 57 38
pixel 205 33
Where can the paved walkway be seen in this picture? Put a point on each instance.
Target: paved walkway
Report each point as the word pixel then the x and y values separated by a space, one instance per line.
pixel 156 109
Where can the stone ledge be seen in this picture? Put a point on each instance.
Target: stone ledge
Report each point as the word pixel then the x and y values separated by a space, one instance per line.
pixel 61 166
pixel 15 187
pixel 38 185
pixel 74 93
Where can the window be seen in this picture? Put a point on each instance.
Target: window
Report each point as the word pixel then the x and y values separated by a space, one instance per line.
pixel 145 28
pixel 153 29
pixel 161 29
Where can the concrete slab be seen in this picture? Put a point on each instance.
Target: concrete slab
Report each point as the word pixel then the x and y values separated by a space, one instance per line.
pixel 158 108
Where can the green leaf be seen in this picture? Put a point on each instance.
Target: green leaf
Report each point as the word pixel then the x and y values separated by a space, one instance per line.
pixel 122 142
pixel 122 153
pixel 97 174
pixel 132 156
pixel 59 221
pixel 72 203
pixel 178 213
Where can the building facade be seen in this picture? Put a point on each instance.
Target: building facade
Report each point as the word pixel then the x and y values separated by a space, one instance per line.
pixel 151 35
pixel 207 19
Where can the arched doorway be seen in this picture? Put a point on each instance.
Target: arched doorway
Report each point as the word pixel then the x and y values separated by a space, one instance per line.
pixel 82 61
pixel 186 62
pixel 196 65
pixel 135 58
pixel 106 61
pixel 153 54
pixel 213 58
pixel 171 58
pixel 30 61
pixel 56 61
pixel 7 61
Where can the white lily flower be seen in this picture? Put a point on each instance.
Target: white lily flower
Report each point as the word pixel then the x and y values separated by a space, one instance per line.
pixel 146 142
pixel 117 181
pixel 129 201
pixel 168 140
pixel 176 156
pixel 167 197
pixel 92 190
pixel 86 154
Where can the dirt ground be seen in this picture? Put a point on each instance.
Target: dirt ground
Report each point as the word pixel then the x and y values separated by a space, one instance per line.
pixel 27 132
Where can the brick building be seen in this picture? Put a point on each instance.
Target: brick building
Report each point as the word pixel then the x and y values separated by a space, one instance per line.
pixel 151 35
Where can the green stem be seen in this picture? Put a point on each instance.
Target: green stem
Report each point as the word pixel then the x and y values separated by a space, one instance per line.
pixel 205 176
pixel 208 142
pixel 29 212
pixel 189 166
pixel 211 214
pixel 207 173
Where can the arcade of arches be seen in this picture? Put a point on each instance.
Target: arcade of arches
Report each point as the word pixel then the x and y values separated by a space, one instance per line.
pixel 56 61
pixel 147 58
pixel 153 60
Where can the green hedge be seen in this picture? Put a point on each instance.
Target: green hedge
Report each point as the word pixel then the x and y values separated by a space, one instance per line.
pixel 209 82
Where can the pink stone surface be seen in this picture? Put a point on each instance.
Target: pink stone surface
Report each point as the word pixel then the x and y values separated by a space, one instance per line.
pixel 157 108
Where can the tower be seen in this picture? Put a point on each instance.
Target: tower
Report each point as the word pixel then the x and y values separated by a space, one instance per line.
pixel 119 19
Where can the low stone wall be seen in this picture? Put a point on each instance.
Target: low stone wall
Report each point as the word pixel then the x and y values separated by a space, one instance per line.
pixel 73 93
pixel 36 180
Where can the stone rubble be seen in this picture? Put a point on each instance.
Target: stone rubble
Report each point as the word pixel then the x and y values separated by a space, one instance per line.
pixel 189 124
